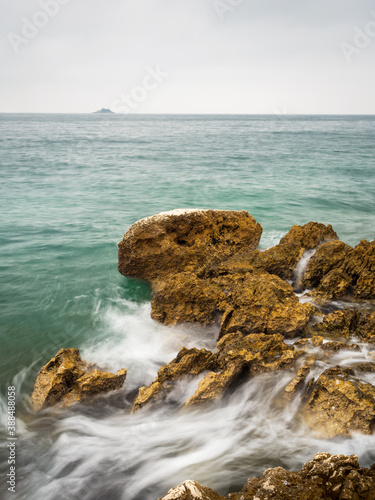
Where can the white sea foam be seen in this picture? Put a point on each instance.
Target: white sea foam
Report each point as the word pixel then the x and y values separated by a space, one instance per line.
pixel 99 451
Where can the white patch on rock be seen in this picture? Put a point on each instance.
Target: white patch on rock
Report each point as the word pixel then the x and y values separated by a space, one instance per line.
pixel 189 486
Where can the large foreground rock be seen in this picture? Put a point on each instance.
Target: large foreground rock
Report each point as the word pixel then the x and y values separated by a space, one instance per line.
pixel 335 477
pixel 67 379
pixel 340 401
pixel 183 240
pixel 324 477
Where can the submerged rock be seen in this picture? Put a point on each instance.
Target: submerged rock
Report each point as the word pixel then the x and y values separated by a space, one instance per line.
pixel 183 240
pixel 67 379
pixel 341 401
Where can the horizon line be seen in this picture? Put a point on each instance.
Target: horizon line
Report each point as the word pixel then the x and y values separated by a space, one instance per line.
pixel 178 114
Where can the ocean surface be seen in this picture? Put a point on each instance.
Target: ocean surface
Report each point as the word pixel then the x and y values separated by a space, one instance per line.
pixel 70 187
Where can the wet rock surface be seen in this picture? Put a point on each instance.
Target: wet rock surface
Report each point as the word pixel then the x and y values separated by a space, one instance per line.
pixel 348 323
pixel 324 477
pixel 238 358
pixel 337 270
pixel 341 401
pixel 205 268
pixel 336 477
pixel 204 264
pixel 67 379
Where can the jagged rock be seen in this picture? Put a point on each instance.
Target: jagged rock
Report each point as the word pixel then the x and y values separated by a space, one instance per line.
pixel 338 346
pixel 185 298
pixel 347 323
pixel 334 285
pixel 191 490
pixel 297 383
pixel 252 303
pixel 310 235
pixel 263 302
pixel 237 359
pixel 183 240
pixel 259 352
pixel 360 265
pixel 335 477
pixel 188 362
pixel 328 256
pixel 66 379
pixel 213 385
pixel 324 477
pixel 204 264
pixel 339 402
pixel 281 259
pixel 349 272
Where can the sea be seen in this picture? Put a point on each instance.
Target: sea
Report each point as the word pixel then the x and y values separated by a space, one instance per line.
pixel 70 187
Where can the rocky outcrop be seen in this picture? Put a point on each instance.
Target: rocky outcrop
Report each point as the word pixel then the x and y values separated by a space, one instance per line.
pixel 191 490
pixel 310 235
pixel 281 259
pixel 335 477
pixel 340 401
pixel 188 363
pixel 347 323
pixel 67 379
pixel 337 270
pixel 328 256
pixel 204 267
pixel 185 298
pixel 236 359
pixel 249 302
pixel 297 383
pixel 324 477
pixel 183 240
pixel 263 303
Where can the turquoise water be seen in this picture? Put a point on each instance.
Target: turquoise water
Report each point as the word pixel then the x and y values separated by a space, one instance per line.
pixel 71 185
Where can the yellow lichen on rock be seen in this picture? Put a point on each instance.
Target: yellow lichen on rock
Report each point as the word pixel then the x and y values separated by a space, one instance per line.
pixel 66 379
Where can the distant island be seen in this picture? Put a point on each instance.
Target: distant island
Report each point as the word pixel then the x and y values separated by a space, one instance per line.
pixel 104 110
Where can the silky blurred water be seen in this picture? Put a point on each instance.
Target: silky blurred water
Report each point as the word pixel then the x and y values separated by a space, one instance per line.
pixel 70 186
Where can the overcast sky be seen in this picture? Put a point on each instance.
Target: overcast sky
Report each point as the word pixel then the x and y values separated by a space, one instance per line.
pixel 188 56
